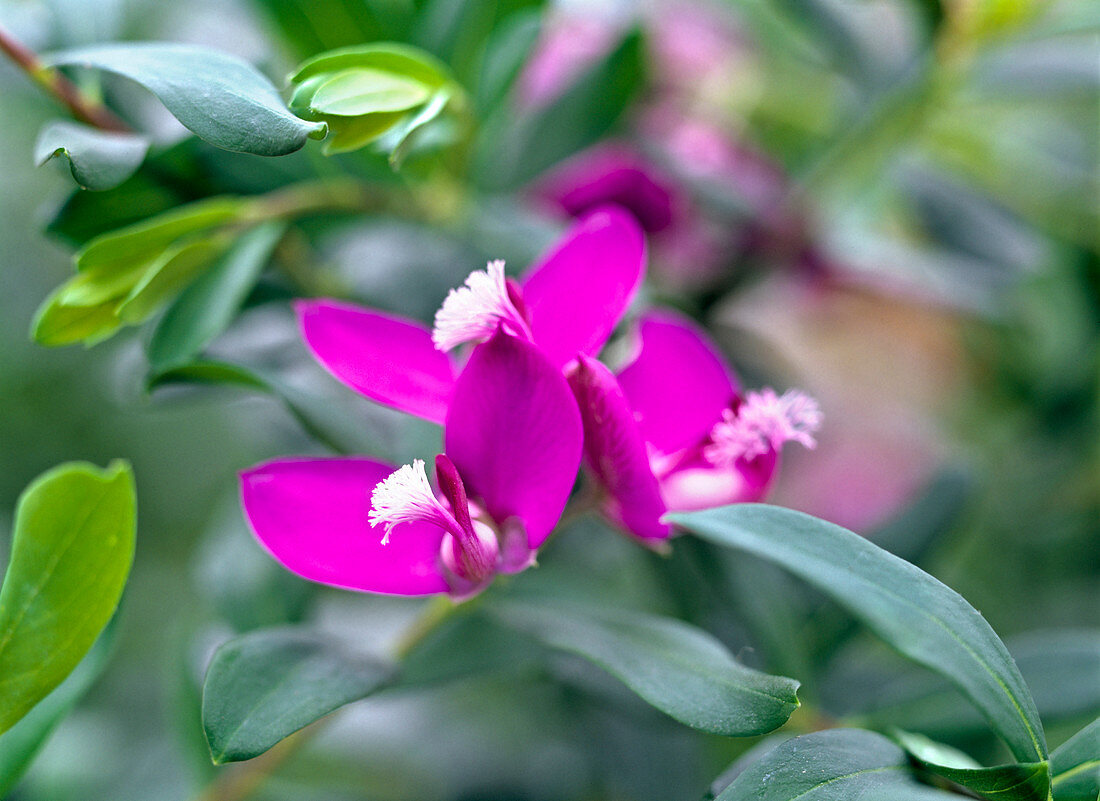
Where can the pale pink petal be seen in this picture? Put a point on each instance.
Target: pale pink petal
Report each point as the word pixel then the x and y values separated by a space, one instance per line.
pixel 701 485
pixel 579 291
pixel 514 433
pixel 678 385
pixel 615 451
pixel 311 515
pixel 389 359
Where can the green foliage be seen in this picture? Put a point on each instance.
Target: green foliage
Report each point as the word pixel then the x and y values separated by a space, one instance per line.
pixel 125 276
pixel 1017 782
pixel 71 552
pixel 208 306
pixel 677 668
pixel 517 146
pixel 1076 766
pixel 221 98
pixel 266 685
pixel 363 93
pixel 832 765
pixel 920 617
pixel 20 743
pixel 97 159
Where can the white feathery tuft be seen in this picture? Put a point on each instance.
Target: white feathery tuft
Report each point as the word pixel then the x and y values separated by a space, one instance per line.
pixel 472 312
pixel 764 421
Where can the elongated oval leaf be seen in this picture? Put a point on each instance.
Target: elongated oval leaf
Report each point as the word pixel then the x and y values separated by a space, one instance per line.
pixel 97 159
pixel 913 612
pixel 221 98
pixel 397 59
pixel 1076 766
pixel 1028 781
pixel 832 765
pixel 56 323
pixel 677 668
pixel 267 684
pixel 71 552
pixel 145 240
pixel 206 308
pixel 169 274
pixel 366 91
pixel 20 743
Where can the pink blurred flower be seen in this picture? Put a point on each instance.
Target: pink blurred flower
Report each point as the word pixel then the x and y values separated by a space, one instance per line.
pixel 673 432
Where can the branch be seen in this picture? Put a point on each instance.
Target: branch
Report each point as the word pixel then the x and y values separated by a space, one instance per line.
pixel 56 84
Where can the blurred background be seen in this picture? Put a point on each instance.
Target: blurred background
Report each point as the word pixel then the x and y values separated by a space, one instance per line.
pixel 891 204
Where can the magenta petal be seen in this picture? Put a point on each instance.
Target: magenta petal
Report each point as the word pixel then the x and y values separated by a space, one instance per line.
pixel 615 451
pixel 580 290
pixel 514 433
pixel 678 385
pixel 311 515
pixel 389 359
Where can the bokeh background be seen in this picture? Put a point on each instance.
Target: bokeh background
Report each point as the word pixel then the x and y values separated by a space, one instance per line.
pixel 892 204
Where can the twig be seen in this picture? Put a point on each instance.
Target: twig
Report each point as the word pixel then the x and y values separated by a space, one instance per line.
pixel 55 83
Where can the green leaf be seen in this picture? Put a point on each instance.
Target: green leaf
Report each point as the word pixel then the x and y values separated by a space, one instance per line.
pixel 513 150
pixel 56 323
pixel 1076 766
pixel 1059 667
pixel 72 547
pixel 1016 782
pixel 355 92
pixel 404 133
pixel 832 765
pixel 20 743
pixel 169 274
pixel 507 51
pixel 207 307
pixel 219 97
pixel 267 684
pixel 307 412
pixel 146 240
pixel 913 612
pixel 97 159
pixel 397 59
pixel 679 669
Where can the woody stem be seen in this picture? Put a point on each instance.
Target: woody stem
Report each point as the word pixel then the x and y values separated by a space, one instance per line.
pixel 61 88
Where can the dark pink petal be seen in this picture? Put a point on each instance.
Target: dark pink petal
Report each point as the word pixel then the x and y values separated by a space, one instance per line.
pixel 579 291
pixel 678 385
pixel 514 433
pixel 311 515
pixel 389 359
pixel 611 174
pixel 616 452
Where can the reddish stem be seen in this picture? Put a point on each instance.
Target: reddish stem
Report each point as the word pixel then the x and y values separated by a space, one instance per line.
pixel 56 84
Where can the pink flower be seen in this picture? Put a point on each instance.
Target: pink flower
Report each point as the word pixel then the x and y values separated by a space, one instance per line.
pixel 512 443
pixel 512 431
pixel 568 303
pixel 672 432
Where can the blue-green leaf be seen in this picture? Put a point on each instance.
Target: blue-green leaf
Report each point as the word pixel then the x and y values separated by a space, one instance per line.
pixel 1029 781
pixel 913 612
pixel 265 685
pixel 220 97
pixel 97 159
pixel 1076 766
pixel 679 669
pixel 832 765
